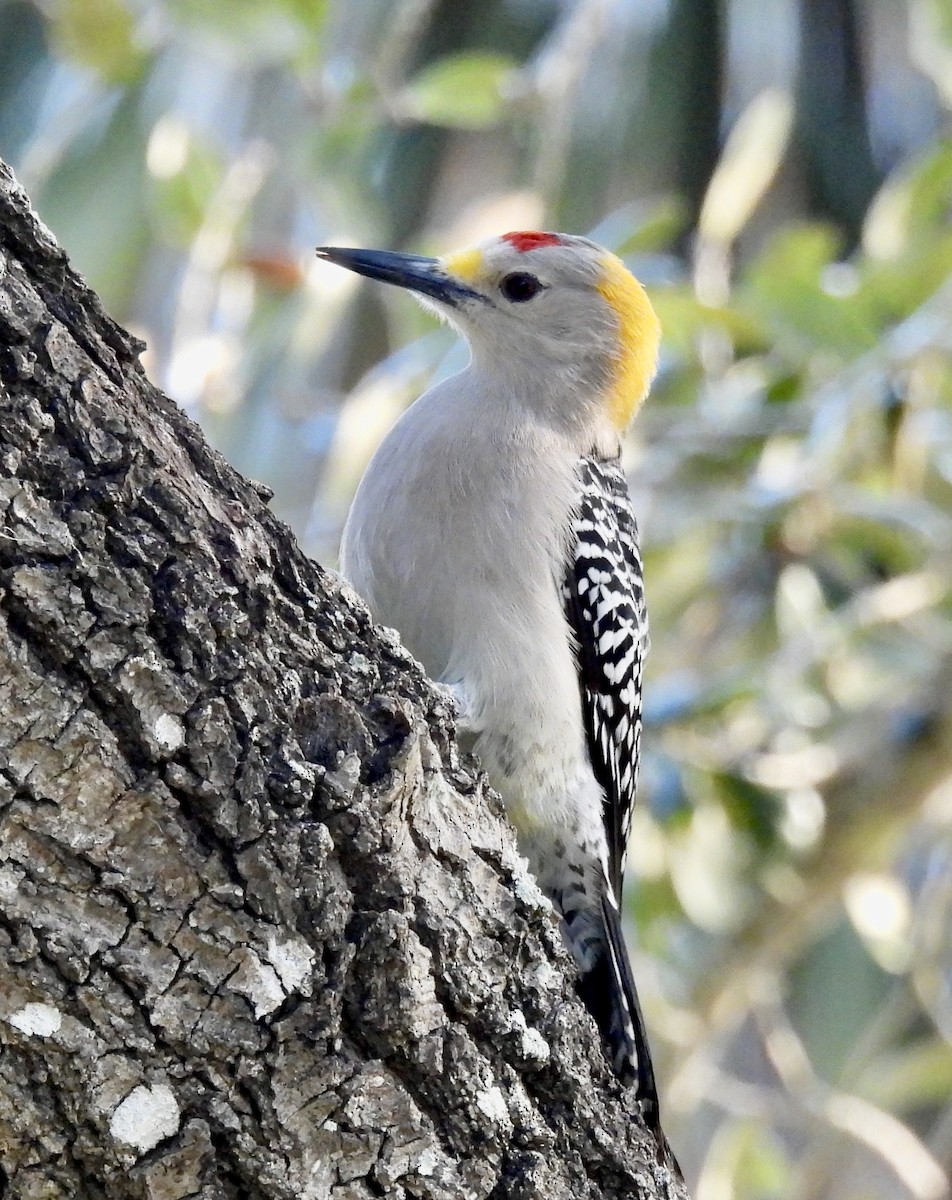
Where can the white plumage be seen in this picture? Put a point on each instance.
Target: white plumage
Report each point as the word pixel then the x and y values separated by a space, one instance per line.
pixel 493 529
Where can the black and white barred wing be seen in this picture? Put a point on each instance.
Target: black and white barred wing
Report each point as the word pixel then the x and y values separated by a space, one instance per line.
pixel 605 604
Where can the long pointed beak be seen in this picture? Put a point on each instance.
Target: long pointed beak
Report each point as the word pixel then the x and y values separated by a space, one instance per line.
pixel 427 276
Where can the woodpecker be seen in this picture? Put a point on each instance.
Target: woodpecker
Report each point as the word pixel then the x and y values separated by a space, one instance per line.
pixel 494 530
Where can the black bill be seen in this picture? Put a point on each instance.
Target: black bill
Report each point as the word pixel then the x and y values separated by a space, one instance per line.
pixel 424 275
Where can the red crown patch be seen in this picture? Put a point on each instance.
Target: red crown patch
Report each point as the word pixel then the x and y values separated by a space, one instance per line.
pixel 531 241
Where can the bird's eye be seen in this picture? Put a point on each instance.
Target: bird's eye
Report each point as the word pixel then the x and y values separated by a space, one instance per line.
pixel 520 286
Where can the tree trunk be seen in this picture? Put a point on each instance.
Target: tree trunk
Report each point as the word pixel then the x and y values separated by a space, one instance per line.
pixel 264 935
pixel 832 130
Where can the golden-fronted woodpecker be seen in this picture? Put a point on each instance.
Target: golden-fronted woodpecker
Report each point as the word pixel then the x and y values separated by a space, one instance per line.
pixel 493 528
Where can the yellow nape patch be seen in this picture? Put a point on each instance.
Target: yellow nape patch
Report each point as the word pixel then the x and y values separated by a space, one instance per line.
pixel 639 335
pixel 466 265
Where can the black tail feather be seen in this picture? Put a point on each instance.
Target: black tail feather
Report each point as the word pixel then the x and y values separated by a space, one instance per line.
pixel 610 995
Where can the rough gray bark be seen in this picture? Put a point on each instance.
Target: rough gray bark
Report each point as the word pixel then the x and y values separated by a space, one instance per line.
pixel 263 935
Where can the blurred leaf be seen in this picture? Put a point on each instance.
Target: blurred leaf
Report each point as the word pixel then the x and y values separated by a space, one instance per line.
pixel 750 159
pixel 463 91
pixel 893 289
pixel 652 902
pixel 835 991
pixel 683 318
pixel 910 1078
pixel 785 286
pixel 784 388
pixel 761 1168
pixel 310 13
pixel 181 199
pixel 94 202
pixel 864 547
pixel 751 808
pixel 667 220
pixel 931 42
pixel 942 14
pixel 272 31
pixel 913 201
pixel 99 34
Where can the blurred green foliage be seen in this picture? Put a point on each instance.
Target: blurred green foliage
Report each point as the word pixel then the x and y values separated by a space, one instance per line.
pixel 792 861
pixel 462 91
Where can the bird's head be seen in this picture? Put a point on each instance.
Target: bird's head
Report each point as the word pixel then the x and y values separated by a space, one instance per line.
pixel 556 318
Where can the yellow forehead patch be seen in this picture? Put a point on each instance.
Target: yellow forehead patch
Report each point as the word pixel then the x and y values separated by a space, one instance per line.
pixel 466 265
pixel 639 335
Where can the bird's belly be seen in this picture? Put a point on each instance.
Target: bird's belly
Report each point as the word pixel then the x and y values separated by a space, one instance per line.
pixel 471 581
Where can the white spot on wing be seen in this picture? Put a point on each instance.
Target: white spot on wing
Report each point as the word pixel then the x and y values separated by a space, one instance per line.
pixel 611 631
